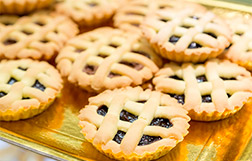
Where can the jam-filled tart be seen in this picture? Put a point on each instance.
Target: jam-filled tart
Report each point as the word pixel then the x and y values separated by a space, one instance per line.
pixel 37 36
pixel 27 88
pixel 20 7
pixel 132 124
pixel 240 51
pixel 108 58
pixel 210 91
pixel 131 15
pixel 187 35
pixel 89 12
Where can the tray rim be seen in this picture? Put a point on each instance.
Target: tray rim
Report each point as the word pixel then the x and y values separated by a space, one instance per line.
pixel 60 155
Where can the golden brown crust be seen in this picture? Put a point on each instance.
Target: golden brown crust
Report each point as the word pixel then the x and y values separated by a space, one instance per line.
pixel 89 13
pixel 227 96
pixel 131 15
pixel 22 6
pixel 180 35
pixel 107 58
pixel 100 130
pixel 38 36
pixel 27 88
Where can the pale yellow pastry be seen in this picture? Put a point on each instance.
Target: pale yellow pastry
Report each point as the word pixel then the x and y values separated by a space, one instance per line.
pixel 27 88
pixel 211 91
pixel 132 124
pixel 108 58
pixel 37 36
pixel 131 15
pixel 187 35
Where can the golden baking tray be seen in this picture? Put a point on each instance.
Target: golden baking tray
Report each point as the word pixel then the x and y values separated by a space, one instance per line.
pixel 55 132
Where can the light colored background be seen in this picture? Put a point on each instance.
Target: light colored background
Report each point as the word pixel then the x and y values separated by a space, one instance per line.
pixel 9 152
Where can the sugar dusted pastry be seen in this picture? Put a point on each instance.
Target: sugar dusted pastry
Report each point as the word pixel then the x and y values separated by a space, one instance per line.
pixel 27 88
pixel 132 124
pixel 211 91
pixel 187 35
pixel 108 58
pixel 37 36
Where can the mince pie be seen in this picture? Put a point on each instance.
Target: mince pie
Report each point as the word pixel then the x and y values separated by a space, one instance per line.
pixel 27 88
pixel 131 15
pixel 107 58
pixel 132 124
pixel 241 50
pixel 187 35
pixel 37 36
pixel 22 6
pixel 210 91
pixel 89 12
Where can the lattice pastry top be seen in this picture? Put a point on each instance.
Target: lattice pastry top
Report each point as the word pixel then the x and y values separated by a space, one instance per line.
pixel 37 36
pixel 107 58
pixel 187 35
pixel 26 86
pixel 131 15
pixel 209 91
pixel 89 12
pixel 130 123
pixel 21 7
pixel 241 50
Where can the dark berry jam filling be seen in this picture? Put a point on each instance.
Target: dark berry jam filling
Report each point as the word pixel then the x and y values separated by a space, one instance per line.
pixel 194 45
pixel 195 17
pixel 25 98
pixel 126 116
pixel 21 68
pixel 146 139
pixel 9 41
pixel 201 78
pixel 112 75
pixel 186 26
pixel 142 53
pixel 161 122
pixel 102 110
pixel 211 34
pixel 239 33
pixel 232 78
pixel 114 45
pixel 141 101
pixel 207 98
pixel 92 4
pixel 228 46
pixel 90 69
pixel 39 23
pixel 164 20
pixel 175 77
pixel 12 81
pixel 38 85
pixel 174 39
pixel 180 98
pixel 134 65
pixel 119 136
pixel 79 50
pixel 44 41
pixel 135 13
pixel 2 94
pixel 102 55
pixel 27 32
